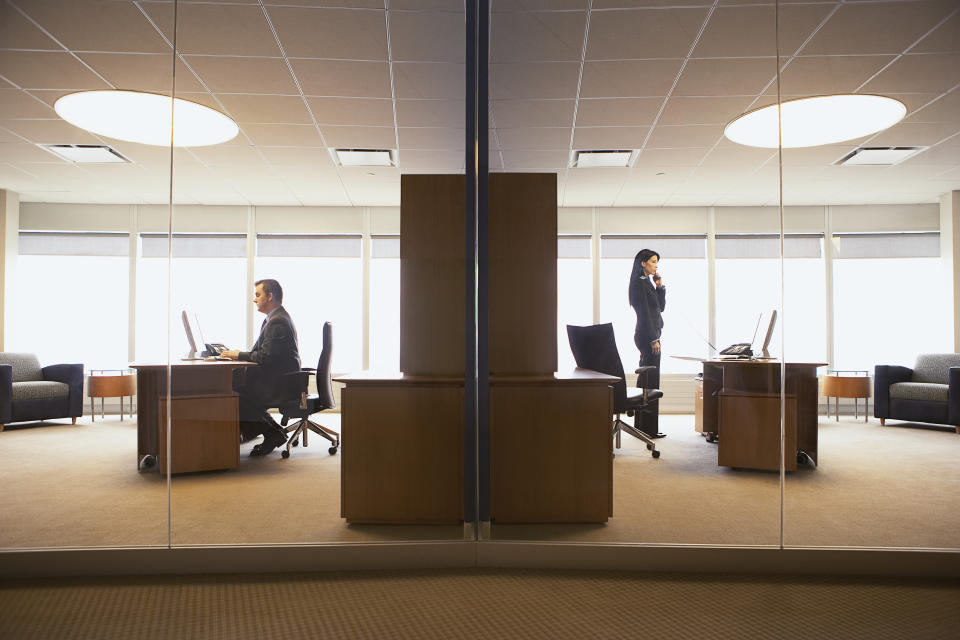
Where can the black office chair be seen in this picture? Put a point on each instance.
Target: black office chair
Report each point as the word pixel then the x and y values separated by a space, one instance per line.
pixel 595 347
pixel 308 405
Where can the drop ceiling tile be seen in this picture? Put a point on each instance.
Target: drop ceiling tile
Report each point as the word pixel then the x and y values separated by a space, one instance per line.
pixel 366 195
pixel 428 80
pixel 9 136
pixel 233 155
pixel 54 131
pixel 266 109
pixel 98 25
pixel 431 138
pixel 525 160
pixel 216 29
pixel 935 108
pixel 330 196
pixel 306 173
pixel 821 156
pixel 360 137
pixel 624 112
pixel 370 175
pixel 353 4
pixel 724 35
pixel 443 161
pixel 657 158
pixel 735 77
pixel 283 135
pixel 309 157
pixel 942 155
pixel 330 33
pixel 533 138
pixel 47 70
pixel 746 158
pixel 244 75
pixel 693 135
pixel 640 4
pixel 524 113
pixel 18 104
pixel 877 27
pixel 620 35
pixel 18 152
pixel 503 6
pixel 931 72
pixel 142 72
pixel 417 36
pixel 609 137
pixel 58 172
pixel 17 32
pixel 944 39
pixel 915 134
pixel 819 75
pixel 537 36
pixel 534 80
pixel 424 113
pixel 632 78
pixel 703 110
pixel 343 78
pixel 352 111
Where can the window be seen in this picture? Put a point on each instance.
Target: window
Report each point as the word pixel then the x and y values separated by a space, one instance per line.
pixel 385 303
pixel 321 280
pixel 684 270
pixel 208 277
pixel 574 293
pixel 72 292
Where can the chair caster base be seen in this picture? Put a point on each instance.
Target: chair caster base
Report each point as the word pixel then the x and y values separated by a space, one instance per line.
pixel 284 454
pixel 332 451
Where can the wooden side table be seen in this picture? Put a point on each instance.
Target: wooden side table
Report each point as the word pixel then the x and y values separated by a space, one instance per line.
pixel 853 386
pixel 111 383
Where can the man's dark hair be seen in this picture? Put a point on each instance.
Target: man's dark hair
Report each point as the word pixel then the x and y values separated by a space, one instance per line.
pixel 271 286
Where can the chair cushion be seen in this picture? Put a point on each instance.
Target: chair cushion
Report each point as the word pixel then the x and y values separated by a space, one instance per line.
pixel 39 390
pixel 25 366
pixel 920 391
pixel 935 367
pixel 635 394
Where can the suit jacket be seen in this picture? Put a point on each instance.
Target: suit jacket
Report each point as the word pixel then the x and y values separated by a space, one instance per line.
pixel 648 302
pixel 276 352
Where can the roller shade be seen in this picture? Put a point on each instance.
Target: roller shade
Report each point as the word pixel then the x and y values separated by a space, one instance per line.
pixel 768 246
pixel 33 243
pixel 385 247
pixel 308 246
pixel 573 247
pixel 154 245
pixel 887 245
pixel 673 246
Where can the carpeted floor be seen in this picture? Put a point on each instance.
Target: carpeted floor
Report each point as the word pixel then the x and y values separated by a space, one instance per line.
pixel 490 604
pixel 878 486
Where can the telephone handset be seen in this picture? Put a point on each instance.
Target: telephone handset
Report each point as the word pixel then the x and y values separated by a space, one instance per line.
pixel 213 349
pixel 740 350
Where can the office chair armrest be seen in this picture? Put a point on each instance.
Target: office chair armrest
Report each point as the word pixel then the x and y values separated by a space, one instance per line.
pixel 308 369
pixel 6 392
pixel 642 373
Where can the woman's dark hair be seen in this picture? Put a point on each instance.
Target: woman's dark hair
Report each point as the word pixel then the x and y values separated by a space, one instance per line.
pixel 637 274
pixel 646 254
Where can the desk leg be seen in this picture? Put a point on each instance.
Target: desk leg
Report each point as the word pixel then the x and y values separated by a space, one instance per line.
pixel 93 412
pixel 102 414
pixel 121 408
pixel 836 409
pixel 866 408
pixel 856 409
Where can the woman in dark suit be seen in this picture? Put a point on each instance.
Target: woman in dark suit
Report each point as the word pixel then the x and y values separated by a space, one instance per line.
pixel 648 297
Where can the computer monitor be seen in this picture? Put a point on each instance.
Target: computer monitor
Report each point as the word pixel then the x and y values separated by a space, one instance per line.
pixel 766 323
pixel 191 334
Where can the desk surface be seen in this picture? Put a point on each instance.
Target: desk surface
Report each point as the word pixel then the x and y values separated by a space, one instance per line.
pixel 181 364
pixel 573 376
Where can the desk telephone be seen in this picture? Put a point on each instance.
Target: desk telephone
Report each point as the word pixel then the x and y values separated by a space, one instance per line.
pixel 213 349
pixel 740 350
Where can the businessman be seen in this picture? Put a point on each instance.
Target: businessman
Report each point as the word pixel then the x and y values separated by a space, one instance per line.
pixel 276 353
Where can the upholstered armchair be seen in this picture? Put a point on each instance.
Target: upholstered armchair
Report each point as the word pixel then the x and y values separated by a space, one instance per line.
pixel 29 392
pixel 929 392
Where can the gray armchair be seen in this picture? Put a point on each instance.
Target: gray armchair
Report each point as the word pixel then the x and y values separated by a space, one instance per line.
pixel 929 392
pixel 29 392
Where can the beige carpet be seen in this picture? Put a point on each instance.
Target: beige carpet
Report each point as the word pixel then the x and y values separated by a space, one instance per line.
pixel 77 485
pixel 489 604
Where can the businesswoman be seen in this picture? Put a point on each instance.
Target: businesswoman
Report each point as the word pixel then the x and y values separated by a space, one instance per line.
pixel 648 297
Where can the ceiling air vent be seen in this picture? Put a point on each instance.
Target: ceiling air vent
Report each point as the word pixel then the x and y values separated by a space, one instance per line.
pixel 85 153
pixel 883 156
pixel 602 158
pixel 365 157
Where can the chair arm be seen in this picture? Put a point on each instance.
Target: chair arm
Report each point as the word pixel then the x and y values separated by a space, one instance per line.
pixel 642 373
pixel 294 384
pixel 953 397
pixel 72 376
pixel 885 375
pixel 6 393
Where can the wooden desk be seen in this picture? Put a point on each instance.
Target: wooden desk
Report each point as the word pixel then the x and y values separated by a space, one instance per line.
pixel 741 405
pixel 402 461
pixel 551 448
pixel 205 427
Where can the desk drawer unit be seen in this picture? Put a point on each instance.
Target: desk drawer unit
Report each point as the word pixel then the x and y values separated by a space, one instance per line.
pixel 749 431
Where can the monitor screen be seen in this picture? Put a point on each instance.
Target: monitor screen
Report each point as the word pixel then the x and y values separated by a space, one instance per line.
pixel 189 330
pixel 764 331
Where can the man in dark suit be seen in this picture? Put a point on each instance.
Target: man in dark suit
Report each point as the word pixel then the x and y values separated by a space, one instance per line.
pixel 261 387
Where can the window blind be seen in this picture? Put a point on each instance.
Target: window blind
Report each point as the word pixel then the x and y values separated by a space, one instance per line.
pixel 308 246
pixel 154 245
pixel 887 245
pixel 573 247
pixel 385 247
pixel 672 246
pixel 768 246
pixel 36 243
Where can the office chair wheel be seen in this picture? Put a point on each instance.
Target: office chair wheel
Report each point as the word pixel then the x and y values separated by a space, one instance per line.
pixel 801 457
pixel 656 454
pixel 284 454
pixel 332 450
pixel 295 443
pixel 649 446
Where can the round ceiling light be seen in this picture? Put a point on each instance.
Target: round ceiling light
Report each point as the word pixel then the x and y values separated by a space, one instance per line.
pixel 145 118
pixel 808 122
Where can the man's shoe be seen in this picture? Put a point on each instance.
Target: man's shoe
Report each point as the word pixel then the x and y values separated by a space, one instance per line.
pixel 270 442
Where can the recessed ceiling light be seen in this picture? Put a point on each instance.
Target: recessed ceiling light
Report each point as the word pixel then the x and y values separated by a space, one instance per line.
pixel 145 118
pixel 809 122
pixel 86 153
pixel 603 158
pixel 865 156
pixel 365 157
